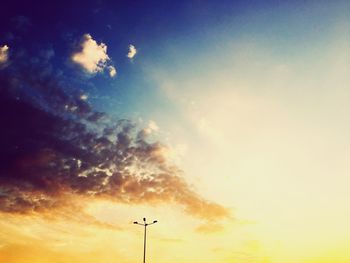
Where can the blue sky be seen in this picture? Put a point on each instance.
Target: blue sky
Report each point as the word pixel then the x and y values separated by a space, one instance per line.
pixel 176 36
pixel 226 120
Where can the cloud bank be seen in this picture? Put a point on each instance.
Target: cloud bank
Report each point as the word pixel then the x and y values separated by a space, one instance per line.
pixel 92 57
pixel 57 149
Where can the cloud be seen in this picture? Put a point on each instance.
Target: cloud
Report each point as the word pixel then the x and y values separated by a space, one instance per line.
pixel 84 96
pixel 132 51
pixel 152 126
pixel 4 54
pixel 209 228
pixel 56 150
pixel 149 129
pixel 112 71
pixel 92 57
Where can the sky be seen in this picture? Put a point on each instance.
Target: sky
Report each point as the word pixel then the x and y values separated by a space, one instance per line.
pixel 225 121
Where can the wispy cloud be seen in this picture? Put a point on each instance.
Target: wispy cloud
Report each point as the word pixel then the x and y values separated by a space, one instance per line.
pixel 92 57
pixel 132 51
pixel 209 228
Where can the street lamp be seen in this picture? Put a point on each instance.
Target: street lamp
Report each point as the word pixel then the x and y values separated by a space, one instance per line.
pixel 144 238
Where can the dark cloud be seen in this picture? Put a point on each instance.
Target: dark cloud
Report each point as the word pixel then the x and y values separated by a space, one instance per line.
pixel 55 148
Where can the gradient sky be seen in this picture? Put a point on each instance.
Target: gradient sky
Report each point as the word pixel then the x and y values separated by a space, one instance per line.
pixel 227 121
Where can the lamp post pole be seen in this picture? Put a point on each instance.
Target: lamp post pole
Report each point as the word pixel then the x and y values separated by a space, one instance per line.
pixel 145 235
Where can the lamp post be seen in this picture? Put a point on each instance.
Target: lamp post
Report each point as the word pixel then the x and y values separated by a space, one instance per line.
pixel 144 237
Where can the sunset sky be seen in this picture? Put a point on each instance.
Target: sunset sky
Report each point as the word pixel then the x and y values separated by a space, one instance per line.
pixel 226 121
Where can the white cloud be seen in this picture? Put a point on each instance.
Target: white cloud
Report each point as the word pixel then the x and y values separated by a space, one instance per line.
pixel 84 97
pixel 92 57
pixel 112 71
pixel 132 51
pixel 152 127
pixel 4 54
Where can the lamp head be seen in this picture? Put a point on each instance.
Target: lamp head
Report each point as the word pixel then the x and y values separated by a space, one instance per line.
pixel 135 222
pixel 155 221
pixel 144 219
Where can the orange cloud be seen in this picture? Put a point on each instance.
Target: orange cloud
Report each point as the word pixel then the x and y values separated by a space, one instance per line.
pixel 68 158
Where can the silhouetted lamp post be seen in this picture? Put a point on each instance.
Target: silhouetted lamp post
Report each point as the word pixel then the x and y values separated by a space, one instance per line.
pixel 144 238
